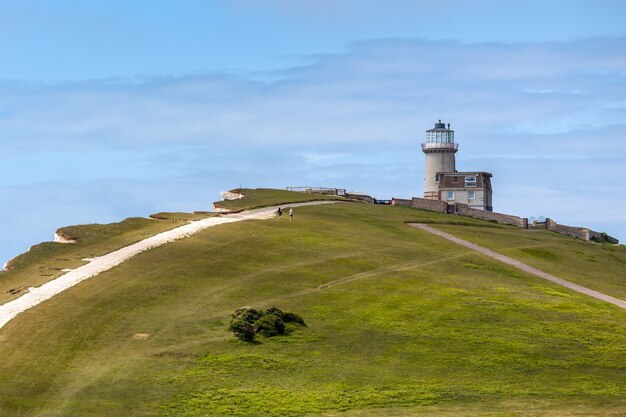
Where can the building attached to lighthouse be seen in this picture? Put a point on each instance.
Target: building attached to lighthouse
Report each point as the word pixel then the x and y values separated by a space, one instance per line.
pixel 441 179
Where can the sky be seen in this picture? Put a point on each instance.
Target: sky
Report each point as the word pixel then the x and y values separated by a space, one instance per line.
pixel 117 109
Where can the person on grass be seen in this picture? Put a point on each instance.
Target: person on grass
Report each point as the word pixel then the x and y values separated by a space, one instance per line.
pixel 291 214
pixel 279 212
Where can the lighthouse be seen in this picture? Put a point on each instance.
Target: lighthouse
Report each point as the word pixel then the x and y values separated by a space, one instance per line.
pixel 439 150
pixel 441 179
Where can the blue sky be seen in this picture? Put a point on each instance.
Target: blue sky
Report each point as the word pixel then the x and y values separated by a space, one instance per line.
pixel 117 109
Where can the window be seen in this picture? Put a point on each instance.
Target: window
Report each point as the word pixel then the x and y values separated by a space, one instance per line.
pixel 450 195
pixel 471 195
pixel 470 181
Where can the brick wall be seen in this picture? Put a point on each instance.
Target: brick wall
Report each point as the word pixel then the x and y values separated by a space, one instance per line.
pixel 465 210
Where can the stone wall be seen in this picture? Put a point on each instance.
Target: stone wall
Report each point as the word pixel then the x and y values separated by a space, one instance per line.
pixel 465 210
pixel 430 205
pixel 401 202
pixel 609 239
pixel 602 237
pixel 577 232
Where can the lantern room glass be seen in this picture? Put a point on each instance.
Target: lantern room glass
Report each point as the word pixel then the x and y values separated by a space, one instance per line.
pixel 440 136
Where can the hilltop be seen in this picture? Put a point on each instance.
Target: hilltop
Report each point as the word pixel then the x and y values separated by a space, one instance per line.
pixel 400 322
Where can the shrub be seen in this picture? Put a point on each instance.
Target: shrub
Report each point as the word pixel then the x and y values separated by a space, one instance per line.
pixel 293 318
pixel 270 325
pixel 247 322
pixel 247 314
pixel 242 329
pixel 275 311
pixel 287 317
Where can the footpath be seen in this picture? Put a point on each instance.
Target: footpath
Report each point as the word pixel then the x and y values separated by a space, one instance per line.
pixel 522 266
pixel 99 264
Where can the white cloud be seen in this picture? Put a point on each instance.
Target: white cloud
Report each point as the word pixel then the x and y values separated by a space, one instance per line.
pixel 321 157
pixel 383 91
pixel 352 120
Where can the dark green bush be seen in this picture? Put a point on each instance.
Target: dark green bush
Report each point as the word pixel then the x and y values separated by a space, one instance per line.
pixel 270 325
pixel 275 311
pixel 242 329
pixel 247 314
pixel 247 322
pixel 286 316
pixel 293 318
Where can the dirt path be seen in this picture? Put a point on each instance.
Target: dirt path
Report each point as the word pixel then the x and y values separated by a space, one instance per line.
pixel 103 263
pixel 361 275
pixel 522 266
pixel 270 302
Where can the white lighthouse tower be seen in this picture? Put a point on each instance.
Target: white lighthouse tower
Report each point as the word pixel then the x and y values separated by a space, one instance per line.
pixel 439 149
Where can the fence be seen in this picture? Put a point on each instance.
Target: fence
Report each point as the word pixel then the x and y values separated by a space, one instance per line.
pixel 319 190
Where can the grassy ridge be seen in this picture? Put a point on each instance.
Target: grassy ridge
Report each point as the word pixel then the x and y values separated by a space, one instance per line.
pixel 177 216
pixel 263 197
pixel 601 267
pixel 46 261
pixel 401 323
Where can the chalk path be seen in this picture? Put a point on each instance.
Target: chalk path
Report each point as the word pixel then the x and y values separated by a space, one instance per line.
pixel 522 266
pixel 103 263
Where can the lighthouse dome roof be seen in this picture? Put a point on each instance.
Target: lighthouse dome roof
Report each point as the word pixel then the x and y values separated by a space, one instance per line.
pixel 440 126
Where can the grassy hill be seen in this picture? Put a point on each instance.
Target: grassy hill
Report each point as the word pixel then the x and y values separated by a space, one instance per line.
pixel 47 260
pixel 400 323
pixel 264 197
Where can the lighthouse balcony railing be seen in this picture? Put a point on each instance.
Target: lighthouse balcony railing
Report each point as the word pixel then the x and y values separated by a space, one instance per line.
pixel 440 145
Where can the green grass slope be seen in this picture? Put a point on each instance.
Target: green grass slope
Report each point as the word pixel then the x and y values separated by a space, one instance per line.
pixel 601 267
pixel 46 261
pixel 263 197
pixel 400 323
